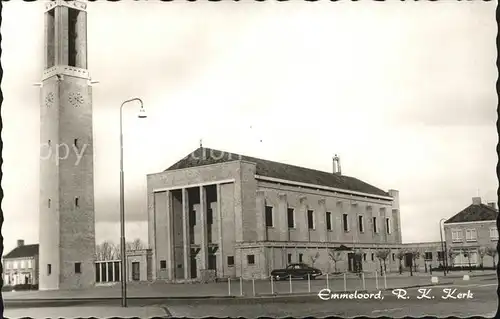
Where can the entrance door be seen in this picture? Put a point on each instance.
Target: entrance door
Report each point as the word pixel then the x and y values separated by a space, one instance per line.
pixel 194 270
pixel 136 273
pixel 408 260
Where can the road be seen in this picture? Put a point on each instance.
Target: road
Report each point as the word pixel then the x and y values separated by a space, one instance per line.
pixel 482 300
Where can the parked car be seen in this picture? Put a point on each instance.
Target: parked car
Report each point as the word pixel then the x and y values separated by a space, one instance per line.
pixel 297 270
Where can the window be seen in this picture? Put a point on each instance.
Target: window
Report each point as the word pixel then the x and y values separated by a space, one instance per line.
pixel 440 255
pixel 230 260
pixel 388 225
pixel 291 218
pixel 22 264
pixel 78 268
pixel 163 264
pixel 310 219
pixel 48 203
pixel 361 224
pixel 494 233
pixel 470 235
pixel 14 265
pixel 300 257
pixel 76 202
pixel 345 222
pixel 269 216
pixel 364 257
pixel 250 259
pixel 456 235
pixel 375 229
pixel 373 256
pixel 49 269
pixel 210 216
pixel 428 255
pixel 393 256
pixel 328 221
pixel 289 258
pixel 30 263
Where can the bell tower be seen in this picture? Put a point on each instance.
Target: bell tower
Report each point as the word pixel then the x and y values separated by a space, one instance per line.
pixel 67 219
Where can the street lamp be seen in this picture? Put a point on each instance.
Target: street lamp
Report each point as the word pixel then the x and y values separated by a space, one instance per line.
pixel 142 114
pixel 442 245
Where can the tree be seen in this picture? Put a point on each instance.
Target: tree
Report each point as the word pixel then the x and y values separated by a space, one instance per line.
pixel 314 258
pixel 452 254
pixel 382 255
pixel 400 255
pixel 335 256
pixel 481 252
pixel 492 252
pixel 415 255
pixel 106 251
pixel 137 244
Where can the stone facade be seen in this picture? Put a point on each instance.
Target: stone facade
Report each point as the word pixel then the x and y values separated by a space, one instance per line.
pixel 67 221
pixel 247 231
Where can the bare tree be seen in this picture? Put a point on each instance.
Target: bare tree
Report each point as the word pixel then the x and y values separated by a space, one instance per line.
pixel 382 255
pixel 481 252
pixel 415 255
pixel 452 254
pixel 106 251
pixel 335 256
pixel 400 255
pixel 314 258
pixel 492 252
pixel 137 244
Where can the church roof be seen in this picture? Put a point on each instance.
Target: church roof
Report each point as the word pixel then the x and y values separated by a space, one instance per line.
pixel 474 213
pixel 278 170
pixel 23 251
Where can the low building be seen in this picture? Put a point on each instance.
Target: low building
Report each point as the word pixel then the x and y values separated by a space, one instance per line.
pixel 138 268
pixel 472 235
pixel 20 266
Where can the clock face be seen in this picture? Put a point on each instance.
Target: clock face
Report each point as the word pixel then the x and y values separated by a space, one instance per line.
pixel 49 99
pixel 76 99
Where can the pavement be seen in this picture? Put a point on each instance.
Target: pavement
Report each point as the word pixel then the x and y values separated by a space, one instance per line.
pixel 201 300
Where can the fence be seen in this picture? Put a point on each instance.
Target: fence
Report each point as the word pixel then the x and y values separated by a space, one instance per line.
pixel 345 282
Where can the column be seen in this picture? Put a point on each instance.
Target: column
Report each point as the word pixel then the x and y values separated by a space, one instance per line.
pixel 282 218
pixel 220 262
pixel 106 271
pixel 113 268
pixel 302 220
pixel 102 269
pixel 185 233
pixel 81 40
pixel 170 237
pixel 260 219
pixel 203 229
pixel 321 221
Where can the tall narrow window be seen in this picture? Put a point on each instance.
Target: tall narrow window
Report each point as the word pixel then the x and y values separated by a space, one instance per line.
pixel 49 269
pixel 361 224
pixel 375 230
pixel 230 261
pixel 301 257
pixel 50 57
pixel 291 218
pixel 269 216
pixel 251 259
pixel 328 221
pixel 345 222
pixel 48 202
pixel 78 268
pixel 192 218
pixel 388 225
pixel 163 264
pixel 72 35
pixel 310 219
pixel 289 258
pixel 76 202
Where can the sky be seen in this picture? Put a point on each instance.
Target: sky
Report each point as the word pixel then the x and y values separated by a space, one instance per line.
pixel 404 92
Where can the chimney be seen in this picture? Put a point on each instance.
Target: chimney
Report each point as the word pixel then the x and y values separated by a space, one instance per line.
pixel 476 200
pixel 336 165
pixel 20 242
pixel 493 205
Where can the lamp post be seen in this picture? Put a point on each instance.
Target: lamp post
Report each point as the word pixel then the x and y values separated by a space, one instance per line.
pixel 142 114
pixel 442 245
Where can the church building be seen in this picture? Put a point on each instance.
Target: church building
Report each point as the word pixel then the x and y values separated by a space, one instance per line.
pixel 241 216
